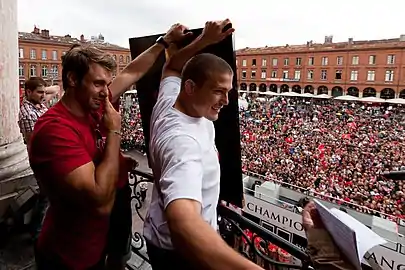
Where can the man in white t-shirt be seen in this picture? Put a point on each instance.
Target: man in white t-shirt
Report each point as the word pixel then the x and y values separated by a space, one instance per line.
pixel 181 224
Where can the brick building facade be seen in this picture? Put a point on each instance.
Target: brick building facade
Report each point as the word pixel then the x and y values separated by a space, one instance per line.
pixel 357 68
pixel 40 54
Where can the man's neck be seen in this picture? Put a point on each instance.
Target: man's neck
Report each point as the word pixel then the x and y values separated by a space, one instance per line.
pixel 181 106
pixel 72 105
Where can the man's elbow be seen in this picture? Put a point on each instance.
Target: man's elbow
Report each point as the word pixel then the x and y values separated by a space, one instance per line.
pixel 181 216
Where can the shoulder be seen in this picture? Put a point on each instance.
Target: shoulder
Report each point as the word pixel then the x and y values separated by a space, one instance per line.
pixel 25 111
pixel 54 126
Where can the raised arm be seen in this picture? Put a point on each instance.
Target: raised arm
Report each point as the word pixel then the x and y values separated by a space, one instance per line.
pixel 212 33
pixel 181 185
pixel 135 70
pixel 51 92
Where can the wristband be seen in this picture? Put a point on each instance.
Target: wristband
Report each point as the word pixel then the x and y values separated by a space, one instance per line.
pixel 117 132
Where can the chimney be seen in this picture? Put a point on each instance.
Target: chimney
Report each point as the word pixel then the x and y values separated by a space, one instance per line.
pixel 45 33
pixel 402 38
pixel 67 36
pixel 82 38
pixel 36 30
pixel 328 39
pixel 350 41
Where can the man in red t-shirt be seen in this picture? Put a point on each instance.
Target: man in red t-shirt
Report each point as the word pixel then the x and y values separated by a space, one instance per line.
pixel 75 156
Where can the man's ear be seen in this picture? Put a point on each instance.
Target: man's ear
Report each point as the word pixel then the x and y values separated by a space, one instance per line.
pixel 189 87
pixel 72 79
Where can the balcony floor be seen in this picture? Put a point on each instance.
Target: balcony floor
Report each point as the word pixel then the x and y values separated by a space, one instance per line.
pixel 18 253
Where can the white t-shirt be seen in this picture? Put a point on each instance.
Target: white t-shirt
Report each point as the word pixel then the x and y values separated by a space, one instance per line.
pixel 184 160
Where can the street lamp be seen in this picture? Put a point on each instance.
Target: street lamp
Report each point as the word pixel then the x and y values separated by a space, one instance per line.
pixel 52 75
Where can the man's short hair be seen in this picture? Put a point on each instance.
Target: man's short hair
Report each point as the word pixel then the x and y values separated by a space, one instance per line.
pixel 78 60
pixel 200 68
pixel 72 47
pixel 33 83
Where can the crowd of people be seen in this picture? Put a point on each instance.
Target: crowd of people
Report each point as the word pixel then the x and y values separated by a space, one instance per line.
pixel 132 131
pixel 323 147
pixel 336 150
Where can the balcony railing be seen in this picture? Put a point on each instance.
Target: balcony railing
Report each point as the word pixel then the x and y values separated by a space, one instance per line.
pixel 232 227
pixel 307 191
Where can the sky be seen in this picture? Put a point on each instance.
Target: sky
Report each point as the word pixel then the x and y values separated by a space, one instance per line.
pixel 264 23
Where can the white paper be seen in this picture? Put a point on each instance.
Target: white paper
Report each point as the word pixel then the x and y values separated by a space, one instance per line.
pixel 343 235
pixel 366 239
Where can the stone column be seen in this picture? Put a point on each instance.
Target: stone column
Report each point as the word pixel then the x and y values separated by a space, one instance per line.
pixel 14 165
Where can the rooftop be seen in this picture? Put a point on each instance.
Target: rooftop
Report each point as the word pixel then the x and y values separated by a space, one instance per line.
pixel 43 36
pixel 328 45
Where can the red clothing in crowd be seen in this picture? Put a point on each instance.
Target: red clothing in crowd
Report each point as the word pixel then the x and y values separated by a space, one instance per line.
pixel 62 142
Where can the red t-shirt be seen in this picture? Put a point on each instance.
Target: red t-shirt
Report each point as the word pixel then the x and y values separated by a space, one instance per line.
pixel 62 142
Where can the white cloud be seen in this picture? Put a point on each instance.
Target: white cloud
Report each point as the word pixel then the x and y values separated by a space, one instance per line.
pixel 257 23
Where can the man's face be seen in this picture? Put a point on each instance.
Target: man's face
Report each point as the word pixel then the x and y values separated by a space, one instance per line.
pixel 36 96
pixel 209 99
pixel 94 87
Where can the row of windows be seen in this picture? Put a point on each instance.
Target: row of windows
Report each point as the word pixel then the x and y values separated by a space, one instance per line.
pixel 372 60
pixel 54 55
pixel 354 75
pixel 44 54
pixel 51 72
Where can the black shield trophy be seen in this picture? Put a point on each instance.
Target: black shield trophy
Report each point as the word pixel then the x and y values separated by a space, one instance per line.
pixel 227 125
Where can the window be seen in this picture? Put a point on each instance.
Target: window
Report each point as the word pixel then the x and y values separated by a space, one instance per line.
pixel 274 61
pixel 253 75
pixel 353 75
pixel 324 74
pixel 121 59
pixel 235 61
pixel 263 74
pixel 33 71
pixel 114 57
pixel 44 72
pixel 298 61
pixel 243 74
pixel 274 74
pixel 286 61
pixel 324 61
pixel 128 59
pixel 244 63
pixel 311 61
pixel 310 75
pixel 389 75
pixel 338 75
pixel 254 62
pixel 391 59
pixel 297 75
pixel 54 55
pixel 371 75
pixel 355 60
pixel 339 60
pixel 54 71
pixel 21 53
pixel 43 55
pixel 21 71
pixel 264 62
pixel 33 54
pixel 285 74
pixel 371 59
